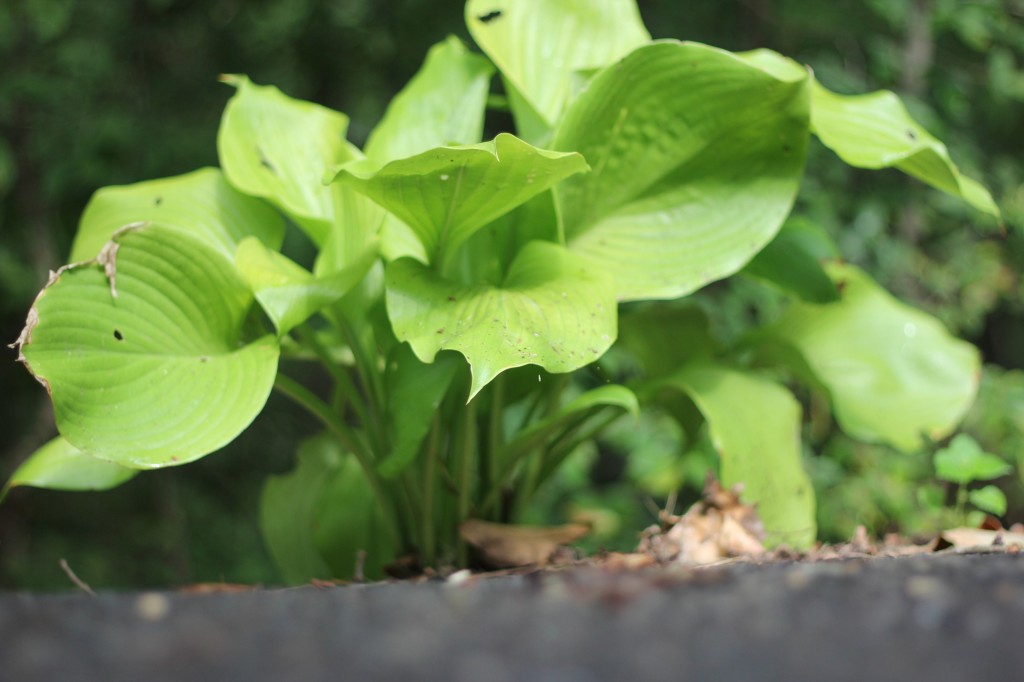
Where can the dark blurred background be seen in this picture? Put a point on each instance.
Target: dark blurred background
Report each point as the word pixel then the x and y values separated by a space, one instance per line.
pixel 101 93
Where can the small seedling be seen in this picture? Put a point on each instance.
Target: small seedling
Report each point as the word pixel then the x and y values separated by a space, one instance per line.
pixel 962 463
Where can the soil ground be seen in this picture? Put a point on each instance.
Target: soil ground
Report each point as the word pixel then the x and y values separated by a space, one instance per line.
pixel 938 617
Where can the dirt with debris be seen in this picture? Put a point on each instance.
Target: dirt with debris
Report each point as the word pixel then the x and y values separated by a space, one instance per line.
pixel 700 600
pixel 937 617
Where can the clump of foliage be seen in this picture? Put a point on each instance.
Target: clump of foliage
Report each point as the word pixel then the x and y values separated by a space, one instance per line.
pixel 478 311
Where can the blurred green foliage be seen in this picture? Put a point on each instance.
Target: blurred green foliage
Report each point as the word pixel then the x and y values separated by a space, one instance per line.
pixel 94 94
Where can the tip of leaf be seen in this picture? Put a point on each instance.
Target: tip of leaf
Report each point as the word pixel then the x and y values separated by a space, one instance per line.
pixel 233 79
pixel 479 378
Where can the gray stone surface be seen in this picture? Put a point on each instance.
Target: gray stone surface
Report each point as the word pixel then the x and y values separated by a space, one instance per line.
pixel 933 618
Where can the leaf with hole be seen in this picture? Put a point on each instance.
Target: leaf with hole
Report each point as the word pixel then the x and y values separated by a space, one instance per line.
pixel 145 354
pixel 539 44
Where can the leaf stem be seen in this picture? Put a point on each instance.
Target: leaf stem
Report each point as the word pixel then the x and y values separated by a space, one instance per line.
pixel 337 372
pixel 319 409
pixel 462 452
pixel 369 378
pixel 429 539
pixel 490 463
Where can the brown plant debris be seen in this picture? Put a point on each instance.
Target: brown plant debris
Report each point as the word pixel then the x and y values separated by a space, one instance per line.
pixel 107 259
pixel 719 527
pixel 507 546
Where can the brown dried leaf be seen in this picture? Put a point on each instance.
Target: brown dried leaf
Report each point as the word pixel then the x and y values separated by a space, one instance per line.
pixel 963 538
pixel 719 527
pixel 506 546
pixel 217 588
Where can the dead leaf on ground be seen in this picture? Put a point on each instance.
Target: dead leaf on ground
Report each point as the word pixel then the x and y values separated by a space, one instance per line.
pixel 967 538
pixel 719 527
pixel 217 588
pixel 507 546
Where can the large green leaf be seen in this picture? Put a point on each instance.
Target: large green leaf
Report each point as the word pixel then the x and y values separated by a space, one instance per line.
pixel 288 509
pixel 59 465
pixel 415 391
pixel 553 311
pixel 279 148
pixel 755 426
pixel 538 44
pixel 893 372
pixel 143 351
pixel 288 292
pixel 875 131
pixel 442 105
pixel 697 155
pixel 200 203
pixel 448 193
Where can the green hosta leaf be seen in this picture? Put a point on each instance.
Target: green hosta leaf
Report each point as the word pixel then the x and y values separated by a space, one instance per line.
pixel 875 131
pixel 288 293
pixel 288 507
pixel 774 63
pixel 448 193
pixel 894 373
pixel 538 44
pixel 553 311
pixel 755 426
pixel 348 520
pixel 792 262
pixel 201 204
pixel 316 518
pixel 697 155
pixel 59 465
pixel 963 461
pixel 415 391
pixel 160 373
pixel 989 499
pixel 279 148
pixel 442 105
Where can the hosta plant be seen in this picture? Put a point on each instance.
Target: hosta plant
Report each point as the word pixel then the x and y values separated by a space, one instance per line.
pixel 465 291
